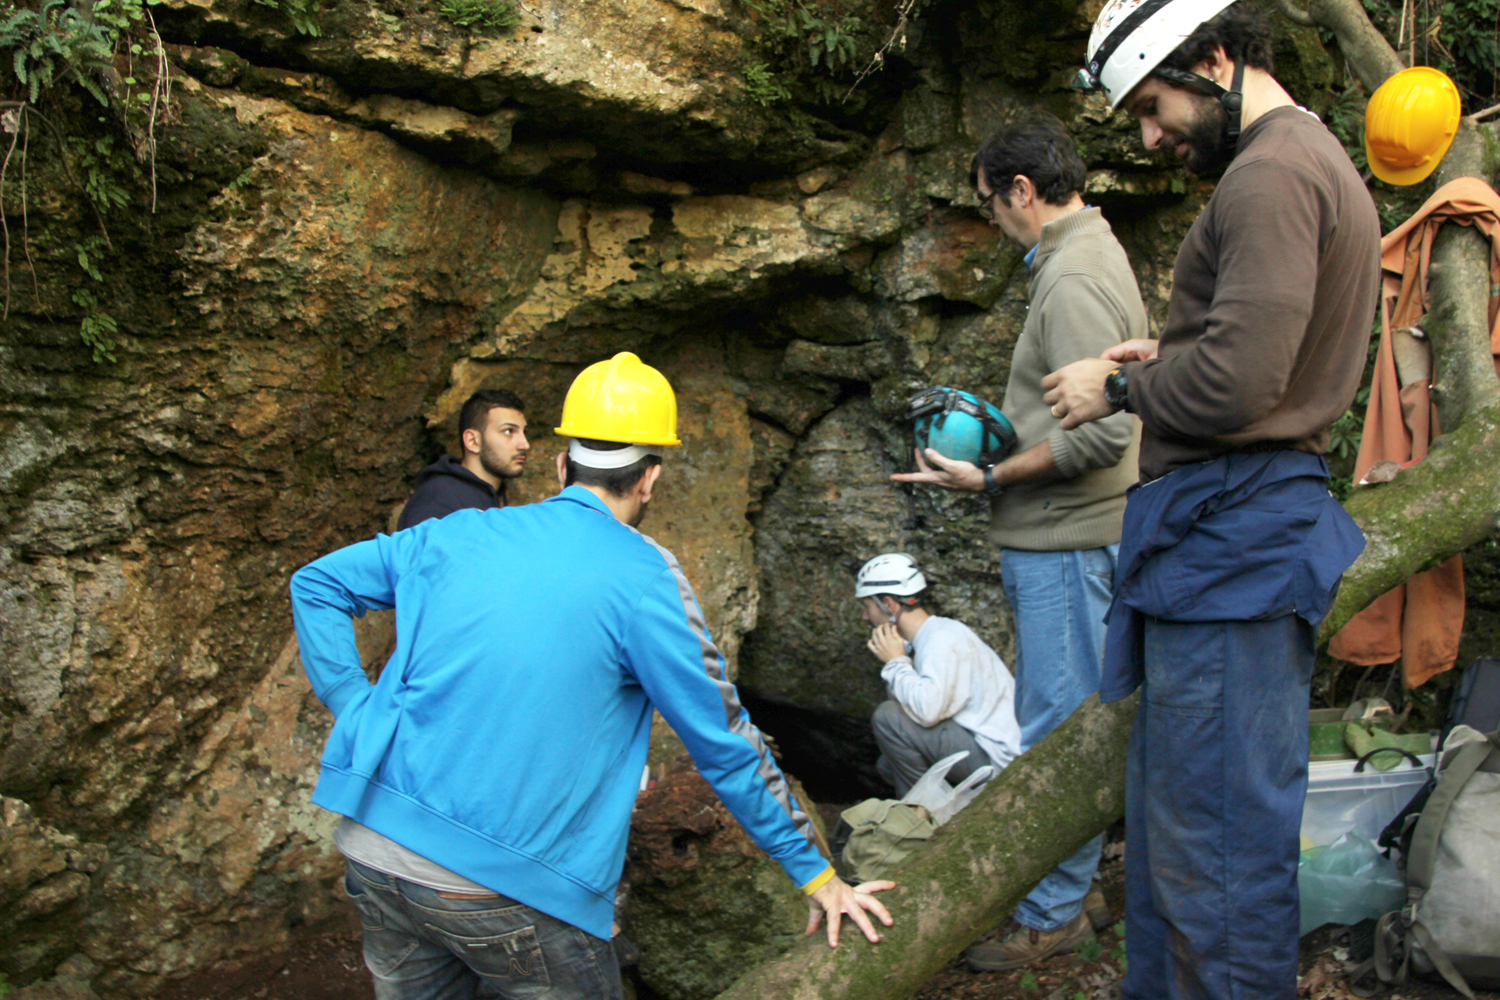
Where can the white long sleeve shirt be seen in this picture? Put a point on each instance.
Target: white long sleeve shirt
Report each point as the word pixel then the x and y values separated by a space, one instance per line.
pixel 953 674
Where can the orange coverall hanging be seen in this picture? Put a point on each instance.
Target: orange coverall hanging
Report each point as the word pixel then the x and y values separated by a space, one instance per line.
pixel 1421 620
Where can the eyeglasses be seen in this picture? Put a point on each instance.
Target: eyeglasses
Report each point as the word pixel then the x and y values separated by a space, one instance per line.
pixel 987 206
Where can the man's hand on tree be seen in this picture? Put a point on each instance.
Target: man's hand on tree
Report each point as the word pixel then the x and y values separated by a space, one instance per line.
pixel 837 898
pixel 886 643
pixel 1132 350
pixel 1076 392
pixel 939 470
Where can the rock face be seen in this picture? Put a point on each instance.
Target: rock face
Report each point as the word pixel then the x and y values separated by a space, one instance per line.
pixel 338 238
pixel 692 866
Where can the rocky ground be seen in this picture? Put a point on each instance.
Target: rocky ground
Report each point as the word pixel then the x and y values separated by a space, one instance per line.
pixel 328 967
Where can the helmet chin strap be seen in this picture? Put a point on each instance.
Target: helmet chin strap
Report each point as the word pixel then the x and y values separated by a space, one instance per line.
pixel 1233 99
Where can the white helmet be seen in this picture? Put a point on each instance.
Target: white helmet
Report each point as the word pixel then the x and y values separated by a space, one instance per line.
pixel 1132 37
pixel 892 573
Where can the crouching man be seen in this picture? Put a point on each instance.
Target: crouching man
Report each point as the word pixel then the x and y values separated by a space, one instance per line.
pixel 949 690
pixel 487 777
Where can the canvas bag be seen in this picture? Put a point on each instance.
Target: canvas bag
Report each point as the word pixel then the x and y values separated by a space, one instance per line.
pixel 885 832
pixel 1450 924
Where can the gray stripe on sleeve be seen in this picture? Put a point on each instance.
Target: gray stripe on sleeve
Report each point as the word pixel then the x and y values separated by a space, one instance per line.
pixel 713 665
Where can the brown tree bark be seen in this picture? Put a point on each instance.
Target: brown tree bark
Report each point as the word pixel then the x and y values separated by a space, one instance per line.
pixel 1361 43
pixel 1052 799
pixel 1041 808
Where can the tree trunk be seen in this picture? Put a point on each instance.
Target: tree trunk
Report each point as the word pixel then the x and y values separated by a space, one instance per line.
pixel 1040 809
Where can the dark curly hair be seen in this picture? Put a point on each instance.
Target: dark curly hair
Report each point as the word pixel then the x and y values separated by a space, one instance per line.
pixel 1035 145
pixel 1242 28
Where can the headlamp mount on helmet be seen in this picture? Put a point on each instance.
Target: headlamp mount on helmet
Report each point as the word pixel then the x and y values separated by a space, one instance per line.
pixel 1091 76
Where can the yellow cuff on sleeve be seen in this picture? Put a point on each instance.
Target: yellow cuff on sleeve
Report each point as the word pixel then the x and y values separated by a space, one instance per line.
pixel 818 882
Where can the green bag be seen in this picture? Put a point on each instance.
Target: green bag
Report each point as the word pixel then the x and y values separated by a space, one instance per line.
pixel 885 832
pixel 1450 925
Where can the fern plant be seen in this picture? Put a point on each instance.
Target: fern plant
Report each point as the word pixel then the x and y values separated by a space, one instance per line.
pixel 302 13
pixel 53 43
pixel 480 15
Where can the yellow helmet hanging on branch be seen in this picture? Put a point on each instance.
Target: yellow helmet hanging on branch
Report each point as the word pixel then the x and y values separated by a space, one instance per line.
pixel 1410 123
pixel 622 399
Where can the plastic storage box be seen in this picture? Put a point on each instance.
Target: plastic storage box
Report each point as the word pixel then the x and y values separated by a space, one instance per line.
pixel 1339 800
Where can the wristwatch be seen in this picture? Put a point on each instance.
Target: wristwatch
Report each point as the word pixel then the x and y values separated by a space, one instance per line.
pixel 992 488
pixel 1117 390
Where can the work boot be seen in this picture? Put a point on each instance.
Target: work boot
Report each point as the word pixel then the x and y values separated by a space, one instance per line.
pixel 1022 946
pixel 1097 909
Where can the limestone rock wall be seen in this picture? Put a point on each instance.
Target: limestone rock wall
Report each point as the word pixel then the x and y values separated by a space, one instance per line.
pixel 352 232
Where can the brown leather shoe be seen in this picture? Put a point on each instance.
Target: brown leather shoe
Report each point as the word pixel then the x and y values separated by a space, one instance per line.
pixel 1022 946
pixel 1097 909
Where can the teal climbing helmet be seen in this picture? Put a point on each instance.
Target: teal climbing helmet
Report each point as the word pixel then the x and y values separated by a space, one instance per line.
pixel 961 426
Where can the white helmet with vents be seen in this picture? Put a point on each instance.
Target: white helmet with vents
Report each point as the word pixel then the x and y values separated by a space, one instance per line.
pixel 1132 37
pixel 892 573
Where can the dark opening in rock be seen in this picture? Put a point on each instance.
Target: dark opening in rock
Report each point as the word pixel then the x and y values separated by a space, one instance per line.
pixel 833 754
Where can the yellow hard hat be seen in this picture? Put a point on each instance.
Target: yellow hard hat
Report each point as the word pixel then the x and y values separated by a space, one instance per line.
pixel 1410 123
pixel 622 399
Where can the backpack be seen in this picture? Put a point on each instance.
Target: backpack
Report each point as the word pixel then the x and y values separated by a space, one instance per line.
pixel 1450 925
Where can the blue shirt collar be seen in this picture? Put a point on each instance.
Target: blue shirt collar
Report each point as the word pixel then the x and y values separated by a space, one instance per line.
pixel 1030 257
pixel 578 494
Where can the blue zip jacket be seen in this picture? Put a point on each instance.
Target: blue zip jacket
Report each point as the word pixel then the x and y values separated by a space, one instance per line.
pixel 1244 537
pixel 506 736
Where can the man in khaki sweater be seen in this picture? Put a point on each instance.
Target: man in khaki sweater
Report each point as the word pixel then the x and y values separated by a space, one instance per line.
pixel 1057 503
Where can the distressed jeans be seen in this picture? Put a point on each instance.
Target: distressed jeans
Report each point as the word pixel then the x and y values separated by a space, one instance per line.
pixel 1059 600
pixel 1214 789
pixel 422 944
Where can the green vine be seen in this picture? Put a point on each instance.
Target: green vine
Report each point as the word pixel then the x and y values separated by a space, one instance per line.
pixel 1459 37
pixel 98 327
pixel 49 45
pixel 813 43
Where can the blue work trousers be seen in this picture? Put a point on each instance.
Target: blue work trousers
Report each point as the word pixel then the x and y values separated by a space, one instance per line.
pixel 422 944
pixel 1059 599
pixel 1214 791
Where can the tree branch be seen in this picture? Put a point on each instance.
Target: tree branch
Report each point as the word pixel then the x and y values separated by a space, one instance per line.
pixel 1360 42
pixel 1044 806
pixel 1296 14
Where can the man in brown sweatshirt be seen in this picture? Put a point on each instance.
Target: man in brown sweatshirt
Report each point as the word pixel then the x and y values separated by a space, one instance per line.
pixel 1057 503
pixel 1232 547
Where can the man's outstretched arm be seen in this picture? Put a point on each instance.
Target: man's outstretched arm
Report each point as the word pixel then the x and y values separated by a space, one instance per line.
pixel 668 650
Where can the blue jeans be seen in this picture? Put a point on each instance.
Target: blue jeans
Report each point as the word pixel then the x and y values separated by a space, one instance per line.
pixel 1059 599
pixel 1214 790
pixel 421 944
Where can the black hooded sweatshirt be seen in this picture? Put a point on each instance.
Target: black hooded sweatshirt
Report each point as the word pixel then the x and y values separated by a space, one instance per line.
pixel 446 486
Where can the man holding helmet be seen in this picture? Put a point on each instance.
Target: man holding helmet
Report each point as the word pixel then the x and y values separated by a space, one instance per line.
pixel 950 692
pixel 1233 547
pixel 1058 501
pixel 487 777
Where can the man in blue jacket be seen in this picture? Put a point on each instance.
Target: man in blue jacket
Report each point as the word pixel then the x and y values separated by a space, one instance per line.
pixel 487 777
